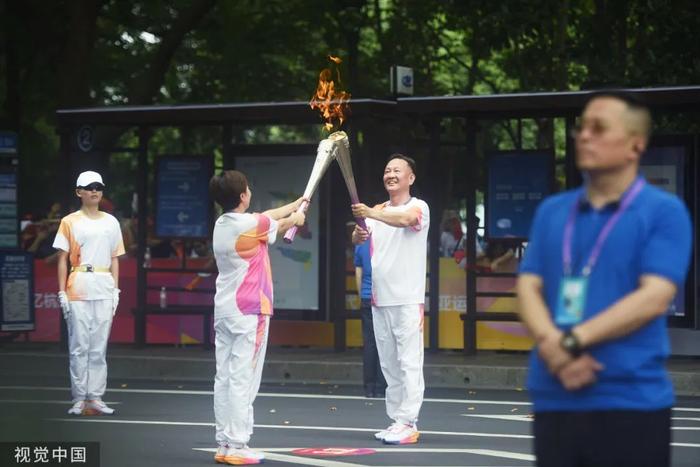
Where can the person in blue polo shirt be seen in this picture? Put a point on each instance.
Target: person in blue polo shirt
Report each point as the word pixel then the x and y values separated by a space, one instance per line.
pixel 372 376
pixel 602 266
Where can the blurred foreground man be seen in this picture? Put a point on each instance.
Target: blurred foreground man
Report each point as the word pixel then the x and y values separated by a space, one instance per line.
pixel 603 265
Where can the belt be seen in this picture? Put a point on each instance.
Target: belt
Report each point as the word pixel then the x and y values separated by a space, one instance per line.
pixel 88 268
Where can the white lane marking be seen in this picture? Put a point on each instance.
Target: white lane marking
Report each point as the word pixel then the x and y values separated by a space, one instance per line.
pixel 294 396
pixel 514 418
pixel 481 452
pixel 418 450
pixel 310 461
pixel 291 427
pixel 46 401
pixel 320 428
pixel 136 391
pixel 270 455
pixel 526 418
pixel 268 394
pixel 132 422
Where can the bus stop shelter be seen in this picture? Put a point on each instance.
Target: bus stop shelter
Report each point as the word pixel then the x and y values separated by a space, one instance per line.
pixel 376 128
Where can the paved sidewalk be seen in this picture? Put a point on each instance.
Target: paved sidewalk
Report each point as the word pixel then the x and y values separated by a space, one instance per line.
pixel 443 369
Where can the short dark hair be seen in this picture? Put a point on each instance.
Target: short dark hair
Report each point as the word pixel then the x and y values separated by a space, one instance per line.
pixel 633 100
pixel 227 187
pixel 636 107
pixel 409 160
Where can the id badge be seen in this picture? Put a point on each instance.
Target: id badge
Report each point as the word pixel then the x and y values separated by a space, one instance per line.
pixel 571 301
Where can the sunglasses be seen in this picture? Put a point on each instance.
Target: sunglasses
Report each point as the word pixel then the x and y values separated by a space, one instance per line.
pixel 596 128
pixel 93 187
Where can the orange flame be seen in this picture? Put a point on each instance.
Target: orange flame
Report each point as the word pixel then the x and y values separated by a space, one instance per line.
pixel 331 103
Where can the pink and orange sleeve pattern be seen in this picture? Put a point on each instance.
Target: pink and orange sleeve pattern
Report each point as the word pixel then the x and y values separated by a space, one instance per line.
pixel 255 293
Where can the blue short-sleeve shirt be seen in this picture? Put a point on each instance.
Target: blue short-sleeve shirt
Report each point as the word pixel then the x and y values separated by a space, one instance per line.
pixel 364 261
pixel 653 236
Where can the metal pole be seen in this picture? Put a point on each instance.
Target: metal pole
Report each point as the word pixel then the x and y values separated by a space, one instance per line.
pixel 142 234
pixel 435 184
pixel 470 314
pixel 66 168
pixel 573 177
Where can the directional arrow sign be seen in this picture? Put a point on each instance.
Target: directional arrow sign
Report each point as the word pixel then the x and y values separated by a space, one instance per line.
pixel 183 208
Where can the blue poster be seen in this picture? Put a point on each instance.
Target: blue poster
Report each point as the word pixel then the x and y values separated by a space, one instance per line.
pixel 9 225
pixel 517 182
pixel 183 209
pixel 17 291
pixel 8 142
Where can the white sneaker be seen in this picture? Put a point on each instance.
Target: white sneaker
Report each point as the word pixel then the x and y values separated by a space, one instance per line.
pixel 77 408
pixel 402 434
pixel 243 456
pixel 380 435
pixel 97 407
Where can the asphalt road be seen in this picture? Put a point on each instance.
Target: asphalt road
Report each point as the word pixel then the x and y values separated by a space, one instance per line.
pixel 171 424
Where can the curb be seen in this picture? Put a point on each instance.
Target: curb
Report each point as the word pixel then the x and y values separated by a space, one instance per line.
pixel 306 371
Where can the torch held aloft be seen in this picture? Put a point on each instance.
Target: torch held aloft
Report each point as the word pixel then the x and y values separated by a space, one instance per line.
pixel 325 153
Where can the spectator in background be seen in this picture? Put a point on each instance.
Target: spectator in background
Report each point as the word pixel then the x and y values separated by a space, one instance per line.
pixel 372 377
pixel 42 243
pixel 451 234
pixel 460 252
pixel 498 255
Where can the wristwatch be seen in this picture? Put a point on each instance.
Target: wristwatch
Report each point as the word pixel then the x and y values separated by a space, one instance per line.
pixel 571 344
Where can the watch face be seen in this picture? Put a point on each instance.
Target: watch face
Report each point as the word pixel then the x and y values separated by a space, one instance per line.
pixel 568 342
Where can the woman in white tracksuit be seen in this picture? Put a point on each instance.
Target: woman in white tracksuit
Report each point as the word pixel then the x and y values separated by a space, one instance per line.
pixel 242 309
pixel 91 241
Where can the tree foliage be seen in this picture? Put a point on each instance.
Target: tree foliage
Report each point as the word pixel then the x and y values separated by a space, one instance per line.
pixel 75 53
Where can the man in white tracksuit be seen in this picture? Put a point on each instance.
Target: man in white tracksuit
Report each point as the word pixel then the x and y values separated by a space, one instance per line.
pixel 242 309
pixel 398 232
pixel 92 242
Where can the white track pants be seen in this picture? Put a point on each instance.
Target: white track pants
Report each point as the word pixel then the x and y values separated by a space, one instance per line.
pixel 241 342
pixel 88 332
pixel 398 331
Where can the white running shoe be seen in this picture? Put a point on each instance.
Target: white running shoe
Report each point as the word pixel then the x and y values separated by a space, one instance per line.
pixel 97 407
pixel 402 434
pixel 243 456
pixel 380 435
pixel 77 408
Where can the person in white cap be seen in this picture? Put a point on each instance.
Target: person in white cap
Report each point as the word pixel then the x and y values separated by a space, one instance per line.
pixel 91 241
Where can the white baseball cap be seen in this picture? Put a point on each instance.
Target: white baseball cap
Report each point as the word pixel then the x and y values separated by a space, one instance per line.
pixel 86 178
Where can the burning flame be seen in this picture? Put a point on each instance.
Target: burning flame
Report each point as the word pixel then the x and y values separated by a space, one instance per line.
pixel 332 103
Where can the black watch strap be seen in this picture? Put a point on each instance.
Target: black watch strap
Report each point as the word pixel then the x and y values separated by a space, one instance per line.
pixel 571 344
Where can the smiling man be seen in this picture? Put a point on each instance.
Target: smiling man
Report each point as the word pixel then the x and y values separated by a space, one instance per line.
pixel 602 266
pixel 398 232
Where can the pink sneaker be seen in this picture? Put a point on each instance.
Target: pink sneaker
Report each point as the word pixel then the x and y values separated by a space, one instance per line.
pixel 243 456
pixel 220 456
